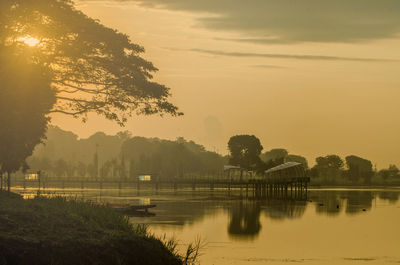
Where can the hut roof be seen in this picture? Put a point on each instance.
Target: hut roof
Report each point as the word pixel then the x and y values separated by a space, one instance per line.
pixel 283 166
pixel 228 167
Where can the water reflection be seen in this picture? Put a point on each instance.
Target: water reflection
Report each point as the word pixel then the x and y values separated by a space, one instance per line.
pixel 245 213
pixel 244 219
pixel 288 208
pixel 392 197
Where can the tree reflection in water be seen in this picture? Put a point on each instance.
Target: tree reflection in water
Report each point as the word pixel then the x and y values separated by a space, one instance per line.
pixel 244 219
pixel 244 213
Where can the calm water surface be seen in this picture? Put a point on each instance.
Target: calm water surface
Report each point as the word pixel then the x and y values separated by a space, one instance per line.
pixel 330 226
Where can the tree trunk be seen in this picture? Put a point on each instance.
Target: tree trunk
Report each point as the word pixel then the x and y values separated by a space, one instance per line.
pixel 8 182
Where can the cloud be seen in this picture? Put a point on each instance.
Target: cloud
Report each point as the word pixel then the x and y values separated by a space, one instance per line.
pixel 269 66
pixel 290 56
pixel 291 21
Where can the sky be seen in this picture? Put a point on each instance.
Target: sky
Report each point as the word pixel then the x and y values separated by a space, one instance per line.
pixel 316 77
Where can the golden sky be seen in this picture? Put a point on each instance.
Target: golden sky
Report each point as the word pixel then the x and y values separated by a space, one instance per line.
pixel 316 77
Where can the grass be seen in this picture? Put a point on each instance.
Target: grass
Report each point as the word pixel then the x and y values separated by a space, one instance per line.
pixel 70 231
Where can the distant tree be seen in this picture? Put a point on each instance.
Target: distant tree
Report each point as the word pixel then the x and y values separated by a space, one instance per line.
pixel 122 169
pixel 40 163
pixel 245 151
pixel 92 170
pixel 391 172
pixel 95 165
pixel 276 155
pixel 124 135
pixel 394 169
pixel 298 159
pixel 132 169
pixel 359 168
pixel 330 161
pixel 328 168
pixel 106 170
pixel 81 169
pixel 60 168
pixel 169 159
pixel 94 68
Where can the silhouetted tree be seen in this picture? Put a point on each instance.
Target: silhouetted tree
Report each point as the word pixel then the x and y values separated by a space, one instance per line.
pixel 170 159
pixel 328 167
pixel 76 62
pixel 94 68
pixel 359 168
pixel 245 151
pixel 276 155
pixel 25 99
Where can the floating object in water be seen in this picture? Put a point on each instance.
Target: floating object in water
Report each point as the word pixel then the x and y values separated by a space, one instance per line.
pixel 364 210
pixel 337 206
pixel 321 204
pixel 134 210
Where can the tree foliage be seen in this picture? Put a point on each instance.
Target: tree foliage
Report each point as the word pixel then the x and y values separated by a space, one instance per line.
pixel 328 168
pixel 276 154
pixel 245 151
pixel 94 68
pixel 359 168
pixel 25 99
pixel 391 172
pixel 170 158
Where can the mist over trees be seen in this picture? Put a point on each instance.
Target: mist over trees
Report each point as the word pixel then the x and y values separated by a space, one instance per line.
pixel 122 157
pixel 169 159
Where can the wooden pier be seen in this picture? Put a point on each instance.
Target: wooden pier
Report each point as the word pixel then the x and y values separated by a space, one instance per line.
pixel 285 180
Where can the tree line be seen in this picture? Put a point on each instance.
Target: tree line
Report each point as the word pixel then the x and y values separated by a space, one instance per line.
pixel 246 152
pixel 122 157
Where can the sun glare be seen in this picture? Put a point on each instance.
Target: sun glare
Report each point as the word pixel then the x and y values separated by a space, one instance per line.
pixel 30 41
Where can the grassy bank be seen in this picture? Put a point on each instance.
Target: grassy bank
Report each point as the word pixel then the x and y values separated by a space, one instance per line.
pixel 60 231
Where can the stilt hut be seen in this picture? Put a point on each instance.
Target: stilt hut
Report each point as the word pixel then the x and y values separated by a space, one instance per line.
pixel 286 172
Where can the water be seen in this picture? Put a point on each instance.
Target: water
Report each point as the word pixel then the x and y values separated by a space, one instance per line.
pixel 331 226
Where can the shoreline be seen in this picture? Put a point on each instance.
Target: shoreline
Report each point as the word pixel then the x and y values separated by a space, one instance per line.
pixel 70 231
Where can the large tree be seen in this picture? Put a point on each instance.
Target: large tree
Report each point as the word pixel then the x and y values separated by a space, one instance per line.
pixel 94 68
pixel 328 167
pixel 25 99
pixel 359 168
pixel 245 151
pixel 81 64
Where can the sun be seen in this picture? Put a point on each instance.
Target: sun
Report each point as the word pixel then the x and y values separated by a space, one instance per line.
pixel 28 40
